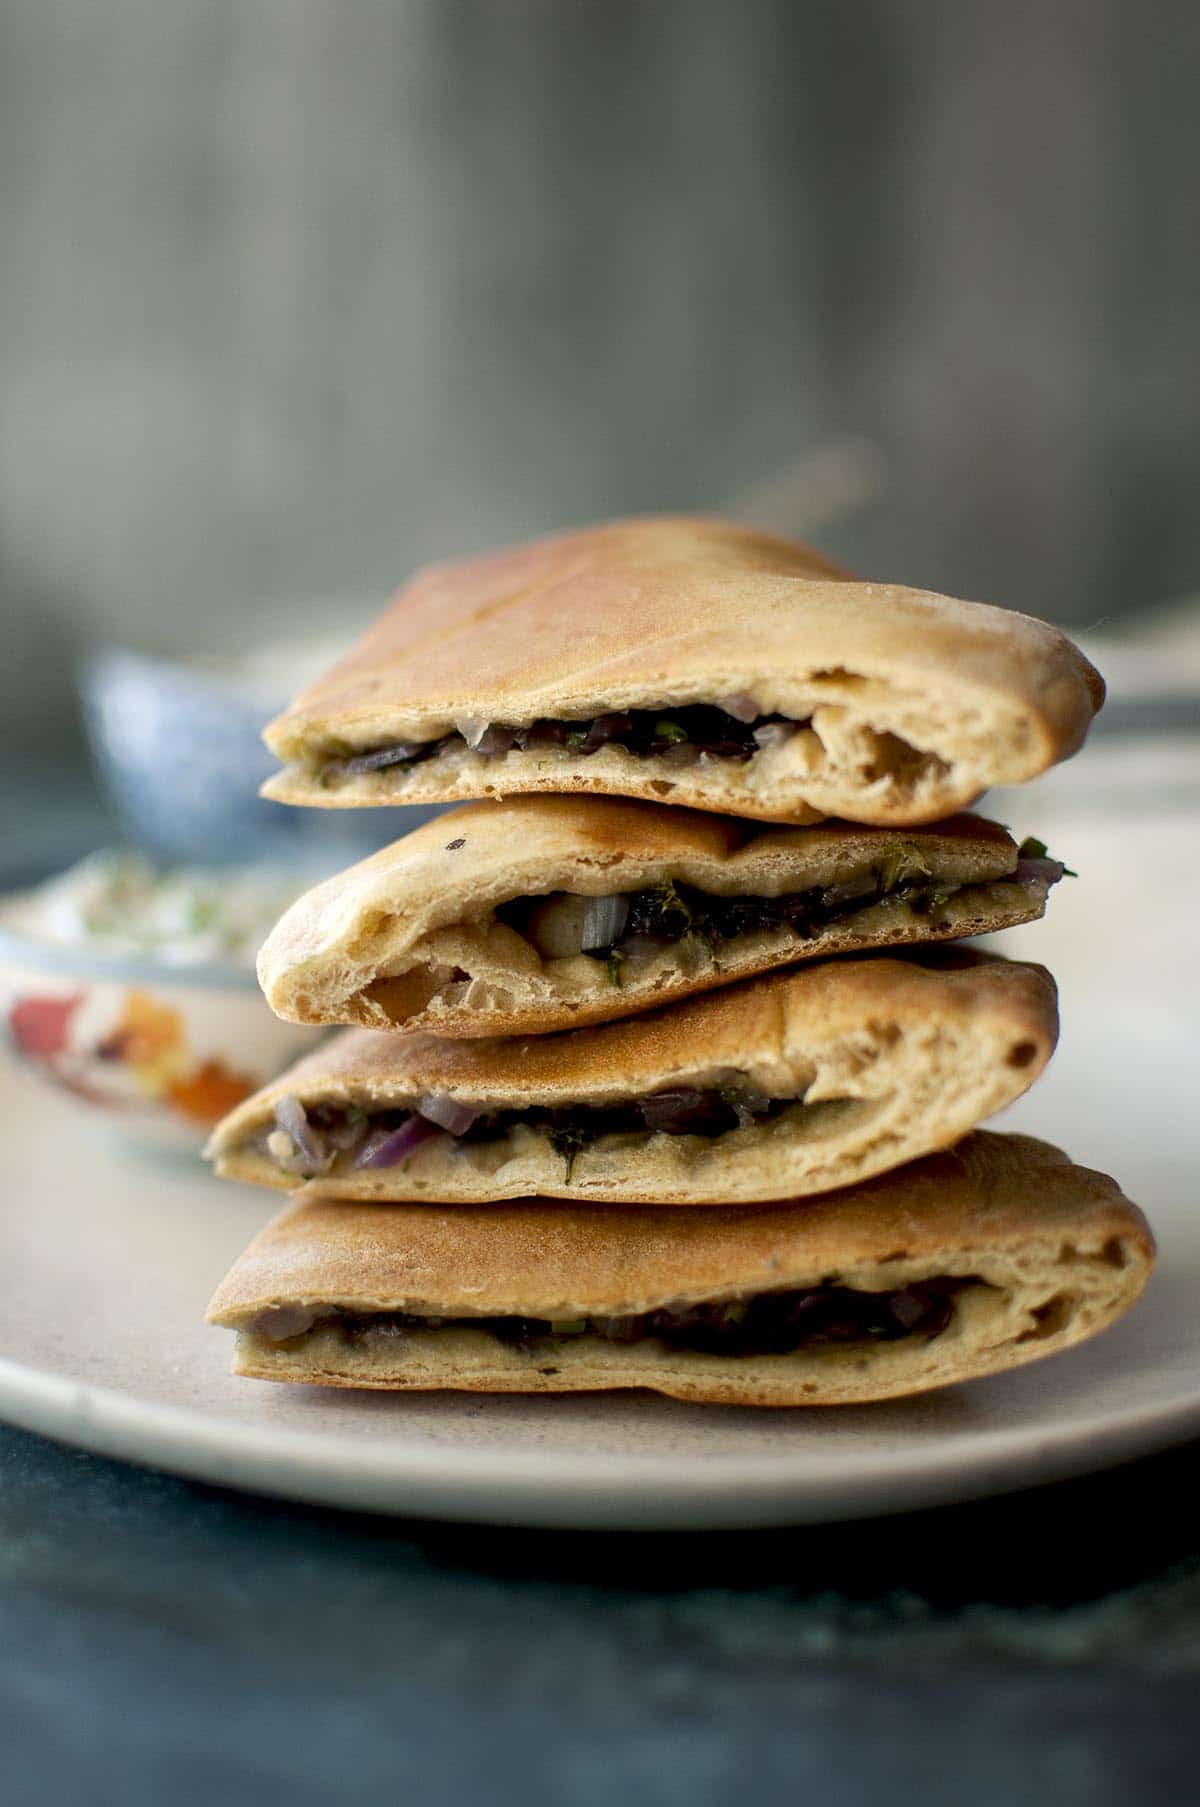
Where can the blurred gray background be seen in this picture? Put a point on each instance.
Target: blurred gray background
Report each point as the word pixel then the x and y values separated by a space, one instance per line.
pixel 295 294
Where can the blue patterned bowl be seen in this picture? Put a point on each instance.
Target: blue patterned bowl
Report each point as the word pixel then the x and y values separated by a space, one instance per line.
pixel 179 750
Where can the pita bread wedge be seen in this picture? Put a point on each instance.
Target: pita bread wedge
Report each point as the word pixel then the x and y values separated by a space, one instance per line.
pixel 685 661
pixel 787 1085
pixel 966 1263
pixel 474 924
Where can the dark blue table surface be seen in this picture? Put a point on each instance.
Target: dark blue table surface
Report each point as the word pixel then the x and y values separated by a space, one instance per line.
pixel 167 1642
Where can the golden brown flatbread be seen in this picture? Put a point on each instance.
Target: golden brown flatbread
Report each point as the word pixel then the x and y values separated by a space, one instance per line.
pixel 966 1263
pixel 444 931
pixel 867 701
pixel 778 1088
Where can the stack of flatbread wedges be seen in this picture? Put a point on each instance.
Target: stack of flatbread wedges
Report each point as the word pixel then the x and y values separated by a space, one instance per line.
pixel 660 1058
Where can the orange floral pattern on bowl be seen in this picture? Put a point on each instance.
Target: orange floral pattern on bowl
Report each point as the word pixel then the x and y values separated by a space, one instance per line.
pixel 141 1058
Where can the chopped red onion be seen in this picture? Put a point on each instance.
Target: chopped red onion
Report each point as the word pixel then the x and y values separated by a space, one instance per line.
pixel 496 739
pixel 605 728
pixel 603 922
pixel 291 1117
pixel 372 1142
pixel 743 708
pixel 1049 871
pixel 683 1110
pixel 773 734
pixel 387 1148
pixel 447 1113
pixel 375 762
pixel 909 1306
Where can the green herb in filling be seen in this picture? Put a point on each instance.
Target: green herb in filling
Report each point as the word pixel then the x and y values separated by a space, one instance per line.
pixel 569 1140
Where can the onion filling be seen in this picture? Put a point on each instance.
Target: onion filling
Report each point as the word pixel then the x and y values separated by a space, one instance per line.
pixel 347 1138
pixel 738 732
pixel 771 1323
pixel 612 928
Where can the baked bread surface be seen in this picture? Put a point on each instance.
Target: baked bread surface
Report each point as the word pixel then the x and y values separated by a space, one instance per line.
pixel 1056 1252
pixel 892 1058
pixel 916 702
pixel 409 936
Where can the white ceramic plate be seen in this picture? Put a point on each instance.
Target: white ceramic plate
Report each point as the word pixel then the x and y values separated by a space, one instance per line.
pixel 107 1259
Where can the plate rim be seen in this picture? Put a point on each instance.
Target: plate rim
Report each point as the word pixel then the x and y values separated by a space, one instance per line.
pixel 488 1486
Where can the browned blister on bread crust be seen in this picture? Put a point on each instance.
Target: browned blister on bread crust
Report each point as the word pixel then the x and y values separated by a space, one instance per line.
pixel 886 1059
pixel 1052 1253
pixel 410 936
pixel 913 703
